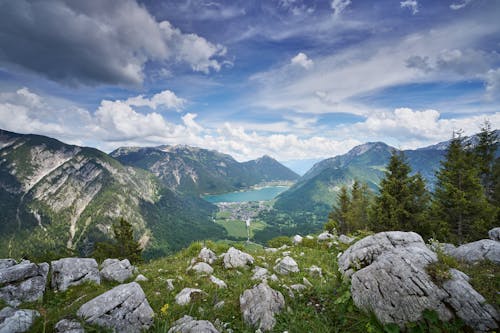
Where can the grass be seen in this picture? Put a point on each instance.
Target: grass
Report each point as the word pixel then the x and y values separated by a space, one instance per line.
pixel 237 228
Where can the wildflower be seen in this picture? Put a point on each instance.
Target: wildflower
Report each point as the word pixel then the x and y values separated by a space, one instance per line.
pixel 164 309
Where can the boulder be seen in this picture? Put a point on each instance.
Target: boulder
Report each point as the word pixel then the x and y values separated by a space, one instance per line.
pixel 73 271
pixel 325 236
pixel 297 239
pixel 389 278
pixel 286 266
pixel 346 239
pixel 315 271
pixel 260 273
pixel 485 249
pixel 494 234
pixel 140 278
pixel 218 282
pixel 187 294
pixel 69 326
pixel 188 324
pixel 123 308
pixel 202 268
pixel 16 320
pixel 170 284
pixel 4 263
pixel 207 255
pixel 24 282
pixel 235 258
pixel 260 304
pixel 116 270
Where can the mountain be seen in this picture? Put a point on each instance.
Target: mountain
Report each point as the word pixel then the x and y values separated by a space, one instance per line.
pixel 54 195
pixel 197 171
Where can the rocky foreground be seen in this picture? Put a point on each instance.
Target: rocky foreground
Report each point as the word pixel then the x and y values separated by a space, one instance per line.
pixel 388 274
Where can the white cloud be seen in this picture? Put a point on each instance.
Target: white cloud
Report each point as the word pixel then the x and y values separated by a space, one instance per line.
pixel 165 98
pixel 460 5
pixel 339 6
pixel 302 60
pixel 493 84
pixel 411 5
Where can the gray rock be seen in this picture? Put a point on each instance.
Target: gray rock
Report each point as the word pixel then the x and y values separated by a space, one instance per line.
pixel 186 295
pixel 297 239
pixel 494 234
pixel 116 270
pixel 298 287
pixel 235 258
pixel 315 271
pixel 73 271
pixel 260 273
pixel 188 324
pixel 260 304
pixel 69 326
pixel 123 309
pixel 346 239
pixel 306 282
pixel 170 284
pixel 16 320
pixel 485 249
pixel 4 263
pixel 202 268
pixel 325 236
pixel 24 282
pixel 207 255
pixel 286 266
pixel 221 284
pixel 140 278
pixel 271 250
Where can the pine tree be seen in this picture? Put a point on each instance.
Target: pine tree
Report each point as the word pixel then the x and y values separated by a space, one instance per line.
pixel 460 211
pixel 484 152
pixel 123 246
pixel 340 212
pixel 403 199
pixel 357 217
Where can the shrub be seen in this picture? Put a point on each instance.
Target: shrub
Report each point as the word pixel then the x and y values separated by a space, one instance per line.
pixel 279 241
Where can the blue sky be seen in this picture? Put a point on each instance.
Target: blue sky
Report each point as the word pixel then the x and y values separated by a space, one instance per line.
pixel 297 80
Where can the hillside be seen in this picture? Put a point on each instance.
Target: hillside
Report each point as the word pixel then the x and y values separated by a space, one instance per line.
pixel 54 195
pixel 197 171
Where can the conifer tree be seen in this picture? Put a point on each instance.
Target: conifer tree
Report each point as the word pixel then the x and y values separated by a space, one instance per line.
pixel 357 217
pixel 403 199
pixel 460 211
pixel 484 152
pixel 340 212
pixel 122 247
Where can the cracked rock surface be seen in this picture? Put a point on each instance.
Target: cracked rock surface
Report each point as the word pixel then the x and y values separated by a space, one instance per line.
pixel 188 324
pixel 389 278
pixel 16 320
pixel 235 258
pixel 73 271
pixel 484 249
pixel 117 270
pixel 24 282
pixel 260 304
pixel 123 308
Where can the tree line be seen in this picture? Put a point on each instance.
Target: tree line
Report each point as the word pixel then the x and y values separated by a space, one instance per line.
pixel 462 207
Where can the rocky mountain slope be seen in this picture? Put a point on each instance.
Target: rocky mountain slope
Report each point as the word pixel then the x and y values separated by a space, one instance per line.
pixel 54 195
pixel 196 171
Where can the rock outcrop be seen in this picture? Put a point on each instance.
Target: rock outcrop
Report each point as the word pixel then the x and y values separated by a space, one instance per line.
pixel 218 282
pixel 297 239
pixel 116 270
pixel 69 326
pixel 24 282
pixel 485 249
pixel 286 266
pixel 235 258
pixel 16 320
pixel 4 263
pixel 123 308
pixel 389 278
pixel 494 234
pixel 202 268
pixel 73 271
pixel 188 324
pixel 207 255
pixel 260 304
pixel 325 236
pixel 187 294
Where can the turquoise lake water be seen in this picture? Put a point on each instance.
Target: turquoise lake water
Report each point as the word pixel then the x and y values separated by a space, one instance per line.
pixel 262 194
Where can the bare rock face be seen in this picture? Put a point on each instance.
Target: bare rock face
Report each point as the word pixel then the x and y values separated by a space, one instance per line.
pixel 485 249
pixel 123 308
pixel 16 320
pixel 494 234
pixel 116 270
pixel 235 258
pixel 202 268
pixel 73 271
pixel 4 263
pixel 68 326
pixel 325 236
pixel 286 266
pixel 207 255
pixel 24 282
pixel 389 278
pixel 297 239
pixel 260 304
pixel 346 239
pixel 218 282
pixel 188 324
pixel 187 294
pixel 260 273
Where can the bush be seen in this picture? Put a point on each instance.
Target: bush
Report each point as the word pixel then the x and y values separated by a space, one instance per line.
pixel 331 226
pixel 279 241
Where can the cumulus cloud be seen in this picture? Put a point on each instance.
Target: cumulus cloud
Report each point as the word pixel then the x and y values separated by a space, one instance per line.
pixel 94 42
pixel 339 6
pixel 412 5
pixel 460 5
pixel 165 98
pixel 302 60
pixel 493 84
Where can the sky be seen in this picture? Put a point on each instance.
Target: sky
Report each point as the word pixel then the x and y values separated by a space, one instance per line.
pixel 293 79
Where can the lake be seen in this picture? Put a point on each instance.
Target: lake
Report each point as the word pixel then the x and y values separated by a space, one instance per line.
pixel 261 194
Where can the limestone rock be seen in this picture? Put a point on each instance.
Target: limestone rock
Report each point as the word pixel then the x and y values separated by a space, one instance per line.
pixel 260 304
pixel 297 239
pixel 306 282
pixel 259 273
pixel 298 287
pixel 116 270
pixel 170 284
pixel 123 308
pixel 235 258
pixel 485 249
pixel 73 271
pixel 346 239
pixel 16 320
pixel 325 236
pixel 286 266
pixel 271 249
pixel 188 324
pixel 4 263
pixel 207 255
pixel 187 294
pixel 202 268
pixel 218 282
pixel 69 326
pixel 24 282
pixel 494 234
pixel 141 278
pixel 315 271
